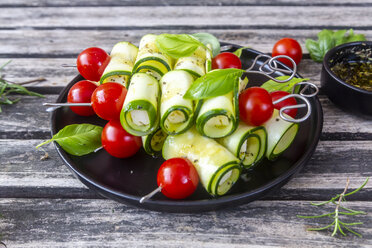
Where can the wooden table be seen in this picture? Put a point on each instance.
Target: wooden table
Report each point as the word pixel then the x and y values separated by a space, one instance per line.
pixel 43 205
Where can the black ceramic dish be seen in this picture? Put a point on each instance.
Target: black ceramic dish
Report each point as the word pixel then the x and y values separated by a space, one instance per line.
pixel 127 180
pixel 346 96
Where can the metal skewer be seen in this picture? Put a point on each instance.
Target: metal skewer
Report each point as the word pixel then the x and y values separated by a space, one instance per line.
pixel 54 106
pixel 151 194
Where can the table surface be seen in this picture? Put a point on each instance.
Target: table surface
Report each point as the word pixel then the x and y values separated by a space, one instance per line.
pixel 43 205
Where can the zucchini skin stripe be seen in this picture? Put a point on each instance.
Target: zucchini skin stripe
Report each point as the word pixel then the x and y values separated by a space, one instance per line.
pixel 149 67
pixel 188 115
pixel 138 64
pixel 235 166
pixel 205 117
pixel 114 73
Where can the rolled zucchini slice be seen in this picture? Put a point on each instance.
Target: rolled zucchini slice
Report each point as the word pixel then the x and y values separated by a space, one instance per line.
pixel 244 143
pixel 153 143
pixel 150 60
pixel 260 131
pixel 218 168
pixel 139 115
pixel 176 112
pixel 280 135
pixel 123 55
pixel 194 64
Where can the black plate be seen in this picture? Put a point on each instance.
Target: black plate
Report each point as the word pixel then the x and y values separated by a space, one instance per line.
pixel 126 180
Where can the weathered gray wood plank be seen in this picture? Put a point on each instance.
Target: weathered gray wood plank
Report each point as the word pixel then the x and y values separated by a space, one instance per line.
pixel 51 3
pixel 69 43
pixel 23 174
pixel 154 16
pixel 102 223
pixel 28 119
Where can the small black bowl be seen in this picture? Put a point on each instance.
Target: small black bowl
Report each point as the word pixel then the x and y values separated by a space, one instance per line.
pixel 346 96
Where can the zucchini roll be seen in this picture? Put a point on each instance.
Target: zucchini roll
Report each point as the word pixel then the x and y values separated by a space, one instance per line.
pixel 153 143
pixel 175 111
pixel 217 117
pixel 123 55
pixel 246 144
pixel 280 135
pixel 194 64
pixel 218 168
pixel 139 115
pixel 150 59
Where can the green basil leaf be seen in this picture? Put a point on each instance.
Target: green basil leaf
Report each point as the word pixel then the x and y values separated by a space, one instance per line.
pixel 177 45
pixel 209 39
pixel 238 52
pixel 78 139
pixel 214 83
pixel 271 85
pixel 339 37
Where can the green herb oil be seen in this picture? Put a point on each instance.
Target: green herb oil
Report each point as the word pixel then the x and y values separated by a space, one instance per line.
pixel 358 74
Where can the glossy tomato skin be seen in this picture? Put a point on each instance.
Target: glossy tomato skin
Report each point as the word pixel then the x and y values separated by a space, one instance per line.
pixel 177 178
pixel 289 47
pixel 108 100
pixel 276 95
pixel 226 60
pixel 118 142
pixel 255 106
pixel 81 92
pixel 92 62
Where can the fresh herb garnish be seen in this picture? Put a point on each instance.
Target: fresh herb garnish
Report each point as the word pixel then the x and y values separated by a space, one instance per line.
pixel 209 39
pixel 271 85
pixel 214 83
pixel 7 88
pixel 78 139
pixel 327 39
pixel 337 224
pixel 177 45
pixel 238 52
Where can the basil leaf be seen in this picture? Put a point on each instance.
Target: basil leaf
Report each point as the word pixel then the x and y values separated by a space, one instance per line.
pixel 177 45
pixel 238 52
pixel 327 39
pixel 271 85
pixel 207 38
pixel 78 139
pixel 214 83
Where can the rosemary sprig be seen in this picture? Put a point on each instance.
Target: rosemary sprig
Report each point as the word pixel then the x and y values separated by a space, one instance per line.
pixel 7 88
pixel 337 224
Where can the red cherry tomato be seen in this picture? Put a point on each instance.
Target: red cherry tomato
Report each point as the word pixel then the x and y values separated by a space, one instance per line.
pixel 177 178
pixel 289 47
pixel 81 92
pixel 288 102
pixel 92 62
pixel 255 106
pixel 108 99
pixel 117 142
pixel 226 60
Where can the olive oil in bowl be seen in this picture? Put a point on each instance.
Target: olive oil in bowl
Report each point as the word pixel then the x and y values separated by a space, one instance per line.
pixel 355 73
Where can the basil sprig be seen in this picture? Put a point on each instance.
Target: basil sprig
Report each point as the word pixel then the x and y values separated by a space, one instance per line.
pixel 327 39
pixel 177 45
pixel 78 139
pixel 271 85
pixel 214 83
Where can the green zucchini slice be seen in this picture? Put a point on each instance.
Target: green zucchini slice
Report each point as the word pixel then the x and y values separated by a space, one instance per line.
pixel 123 55
pixel 244 143
pixel 194 64
pixel 150 60
pixel 280 135
pixel 139 115
pixel 153 143
pixel 176 112
pixel 217 167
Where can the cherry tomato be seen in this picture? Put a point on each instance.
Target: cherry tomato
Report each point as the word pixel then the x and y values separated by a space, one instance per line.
pixel 117 142
pixel 108 99
pixel 289 47
pixel 81 92
pixel 226 60
pixel 288 102
pixel 177 178
pixel 255 106
pixel 92 62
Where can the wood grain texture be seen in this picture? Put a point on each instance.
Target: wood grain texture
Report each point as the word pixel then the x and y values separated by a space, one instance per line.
pixel 83 3
pixel 23 174
pixel 101 223
pixel 166 17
